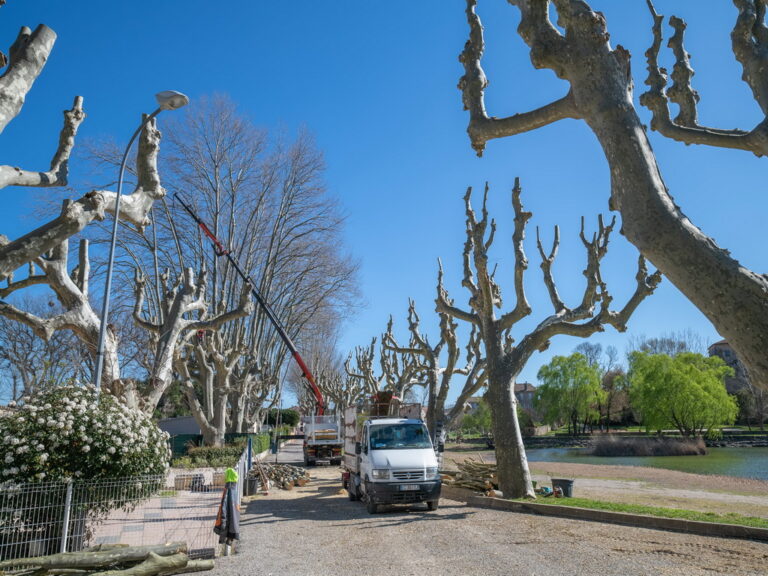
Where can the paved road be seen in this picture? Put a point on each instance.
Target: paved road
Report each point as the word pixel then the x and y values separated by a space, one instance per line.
pixel 315 530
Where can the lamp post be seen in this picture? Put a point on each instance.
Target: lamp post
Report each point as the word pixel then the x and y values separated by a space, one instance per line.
pixel 166 100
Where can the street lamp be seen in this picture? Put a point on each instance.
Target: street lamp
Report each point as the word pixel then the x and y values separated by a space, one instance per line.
pixel 166 100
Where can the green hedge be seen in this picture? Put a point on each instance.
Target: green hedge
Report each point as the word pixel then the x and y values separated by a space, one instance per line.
pixel 221 456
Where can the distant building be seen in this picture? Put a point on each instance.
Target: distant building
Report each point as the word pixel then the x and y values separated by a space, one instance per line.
pixel 728 355
pixel 524 392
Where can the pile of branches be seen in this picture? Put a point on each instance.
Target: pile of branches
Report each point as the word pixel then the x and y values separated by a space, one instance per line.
pixel 475 475
pixel 285 476
pixel 111 560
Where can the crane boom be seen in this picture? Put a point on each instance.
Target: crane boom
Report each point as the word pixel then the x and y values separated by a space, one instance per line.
pixel 220 250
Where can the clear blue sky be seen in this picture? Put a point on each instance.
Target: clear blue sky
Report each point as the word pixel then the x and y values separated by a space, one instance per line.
pixel 375 82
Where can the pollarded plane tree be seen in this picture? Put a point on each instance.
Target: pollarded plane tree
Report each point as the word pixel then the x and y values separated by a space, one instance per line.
pixel 438 375
pixel 732 297
pixel 45 249
pixel 400 372
pixel 340 388
pixel 24 63
pixel 506 356
pixel 362 373
pixel 71 289
pixel 184 317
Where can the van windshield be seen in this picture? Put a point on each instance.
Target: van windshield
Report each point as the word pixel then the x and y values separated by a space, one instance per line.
pixel 399 436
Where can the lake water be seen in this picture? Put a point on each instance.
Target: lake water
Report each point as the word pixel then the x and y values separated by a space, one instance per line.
pixel 743 462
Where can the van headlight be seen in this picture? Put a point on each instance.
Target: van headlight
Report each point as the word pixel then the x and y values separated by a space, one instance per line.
pixel 432 473
pixel 380 474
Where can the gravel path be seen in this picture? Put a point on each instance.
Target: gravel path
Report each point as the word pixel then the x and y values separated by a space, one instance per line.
pixel 316 530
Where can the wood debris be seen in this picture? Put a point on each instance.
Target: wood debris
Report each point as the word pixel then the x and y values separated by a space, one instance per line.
pixel 285 476
pixel 473 474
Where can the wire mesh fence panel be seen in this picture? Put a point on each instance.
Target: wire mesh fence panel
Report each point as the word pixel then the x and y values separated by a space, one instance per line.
pixel 32 519
pixel 38 519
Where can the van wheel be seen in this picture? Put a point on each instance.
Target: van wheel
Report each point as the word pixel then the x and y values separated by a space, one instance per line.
pixel 432 505
pixel 371 506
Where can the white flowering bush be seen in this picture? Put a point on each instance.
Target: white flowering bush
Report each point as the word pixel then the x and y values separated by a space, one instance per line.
pixel 75 432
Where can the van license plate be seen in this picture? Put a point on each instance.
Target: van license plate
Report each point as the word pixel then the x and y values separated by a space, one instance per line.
pixel 408 487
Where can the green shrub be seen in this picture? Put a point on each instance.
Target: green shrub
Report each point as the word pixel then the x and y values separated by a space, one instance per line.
pixel 182 462
pixel 75 432
pixel 714 434
pixel 260 443
pixel 286 416
pixel 221 456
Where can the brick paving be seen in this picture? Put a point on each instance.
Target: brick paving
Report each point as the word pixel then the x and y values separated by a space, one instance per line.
pixel 173 516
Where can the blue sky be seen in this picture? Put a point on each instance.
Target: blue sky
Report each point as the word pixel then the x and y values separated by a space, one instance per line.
pixel 375 82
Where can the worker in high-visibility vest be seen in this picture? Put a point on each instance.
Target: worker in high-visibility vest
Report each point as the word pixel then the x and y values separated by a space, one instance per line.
pixel 227 524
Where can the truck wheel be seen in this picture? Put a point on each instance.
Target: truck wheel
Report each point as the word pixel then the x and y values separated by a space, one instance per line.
pixel 432 505
pixel 371 506
pixel 352 491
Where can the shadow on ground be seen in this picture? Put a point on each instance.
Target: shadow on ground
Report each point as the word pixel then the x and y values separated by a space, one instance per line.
pixel 324 500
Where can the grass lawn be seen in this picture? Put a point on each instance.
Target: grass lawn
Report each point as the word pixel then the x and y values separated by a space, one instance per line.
pixel 693 515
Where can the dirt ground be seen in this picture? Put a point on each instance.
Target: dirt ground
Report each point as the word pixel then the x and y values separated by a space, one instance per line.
pixel 316 530
pixel 647 486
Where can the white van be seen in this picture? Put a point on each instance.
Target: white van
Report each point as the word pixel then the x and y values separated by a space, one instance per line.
pixel 389 460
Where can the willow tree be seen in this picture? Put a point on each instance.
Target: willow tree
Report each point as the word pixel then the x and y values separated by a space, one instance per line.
pixel 599 91
pixel 506 356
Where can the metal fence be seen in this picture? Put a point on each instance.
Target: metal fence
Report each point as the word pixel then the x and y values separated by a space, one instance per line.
pixel 38 519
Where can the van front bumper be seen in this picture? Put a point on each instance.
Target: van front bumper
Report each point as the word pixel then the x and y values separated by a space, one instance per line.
pixel 403 492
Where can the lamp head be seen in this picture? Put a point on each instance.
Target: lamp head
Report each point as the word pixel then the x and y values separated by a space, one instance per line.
pixel 171 100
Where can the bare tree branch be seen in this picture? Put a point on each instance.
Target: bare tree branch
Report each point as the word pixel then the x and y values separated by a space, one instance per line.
pixel 134 208
pixel 58 173
pixel 482 127
pixel 685 127
pixel 28 55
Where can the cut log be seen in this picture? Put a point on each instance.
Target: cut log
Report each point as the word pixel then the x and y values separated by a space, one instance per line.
pixel 152 566
pixel 192 566
pixel 98 559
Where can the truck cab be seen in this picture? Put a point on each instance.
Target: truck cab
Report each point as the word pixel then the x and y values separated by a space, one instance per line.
pixel 393 462
pixel 322 440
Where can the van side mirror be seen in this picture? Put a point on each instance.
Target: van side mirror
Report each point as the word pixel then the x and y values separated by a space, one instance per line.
pixel 358 448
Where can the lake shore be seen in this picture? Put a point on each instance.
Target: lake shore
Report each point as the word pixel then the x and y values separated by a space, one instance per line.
pixel 645 485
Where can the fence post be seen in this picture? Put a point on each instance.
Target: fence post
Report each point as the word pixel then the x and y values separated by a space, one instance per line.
pixel 67 513
pixel 250 452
